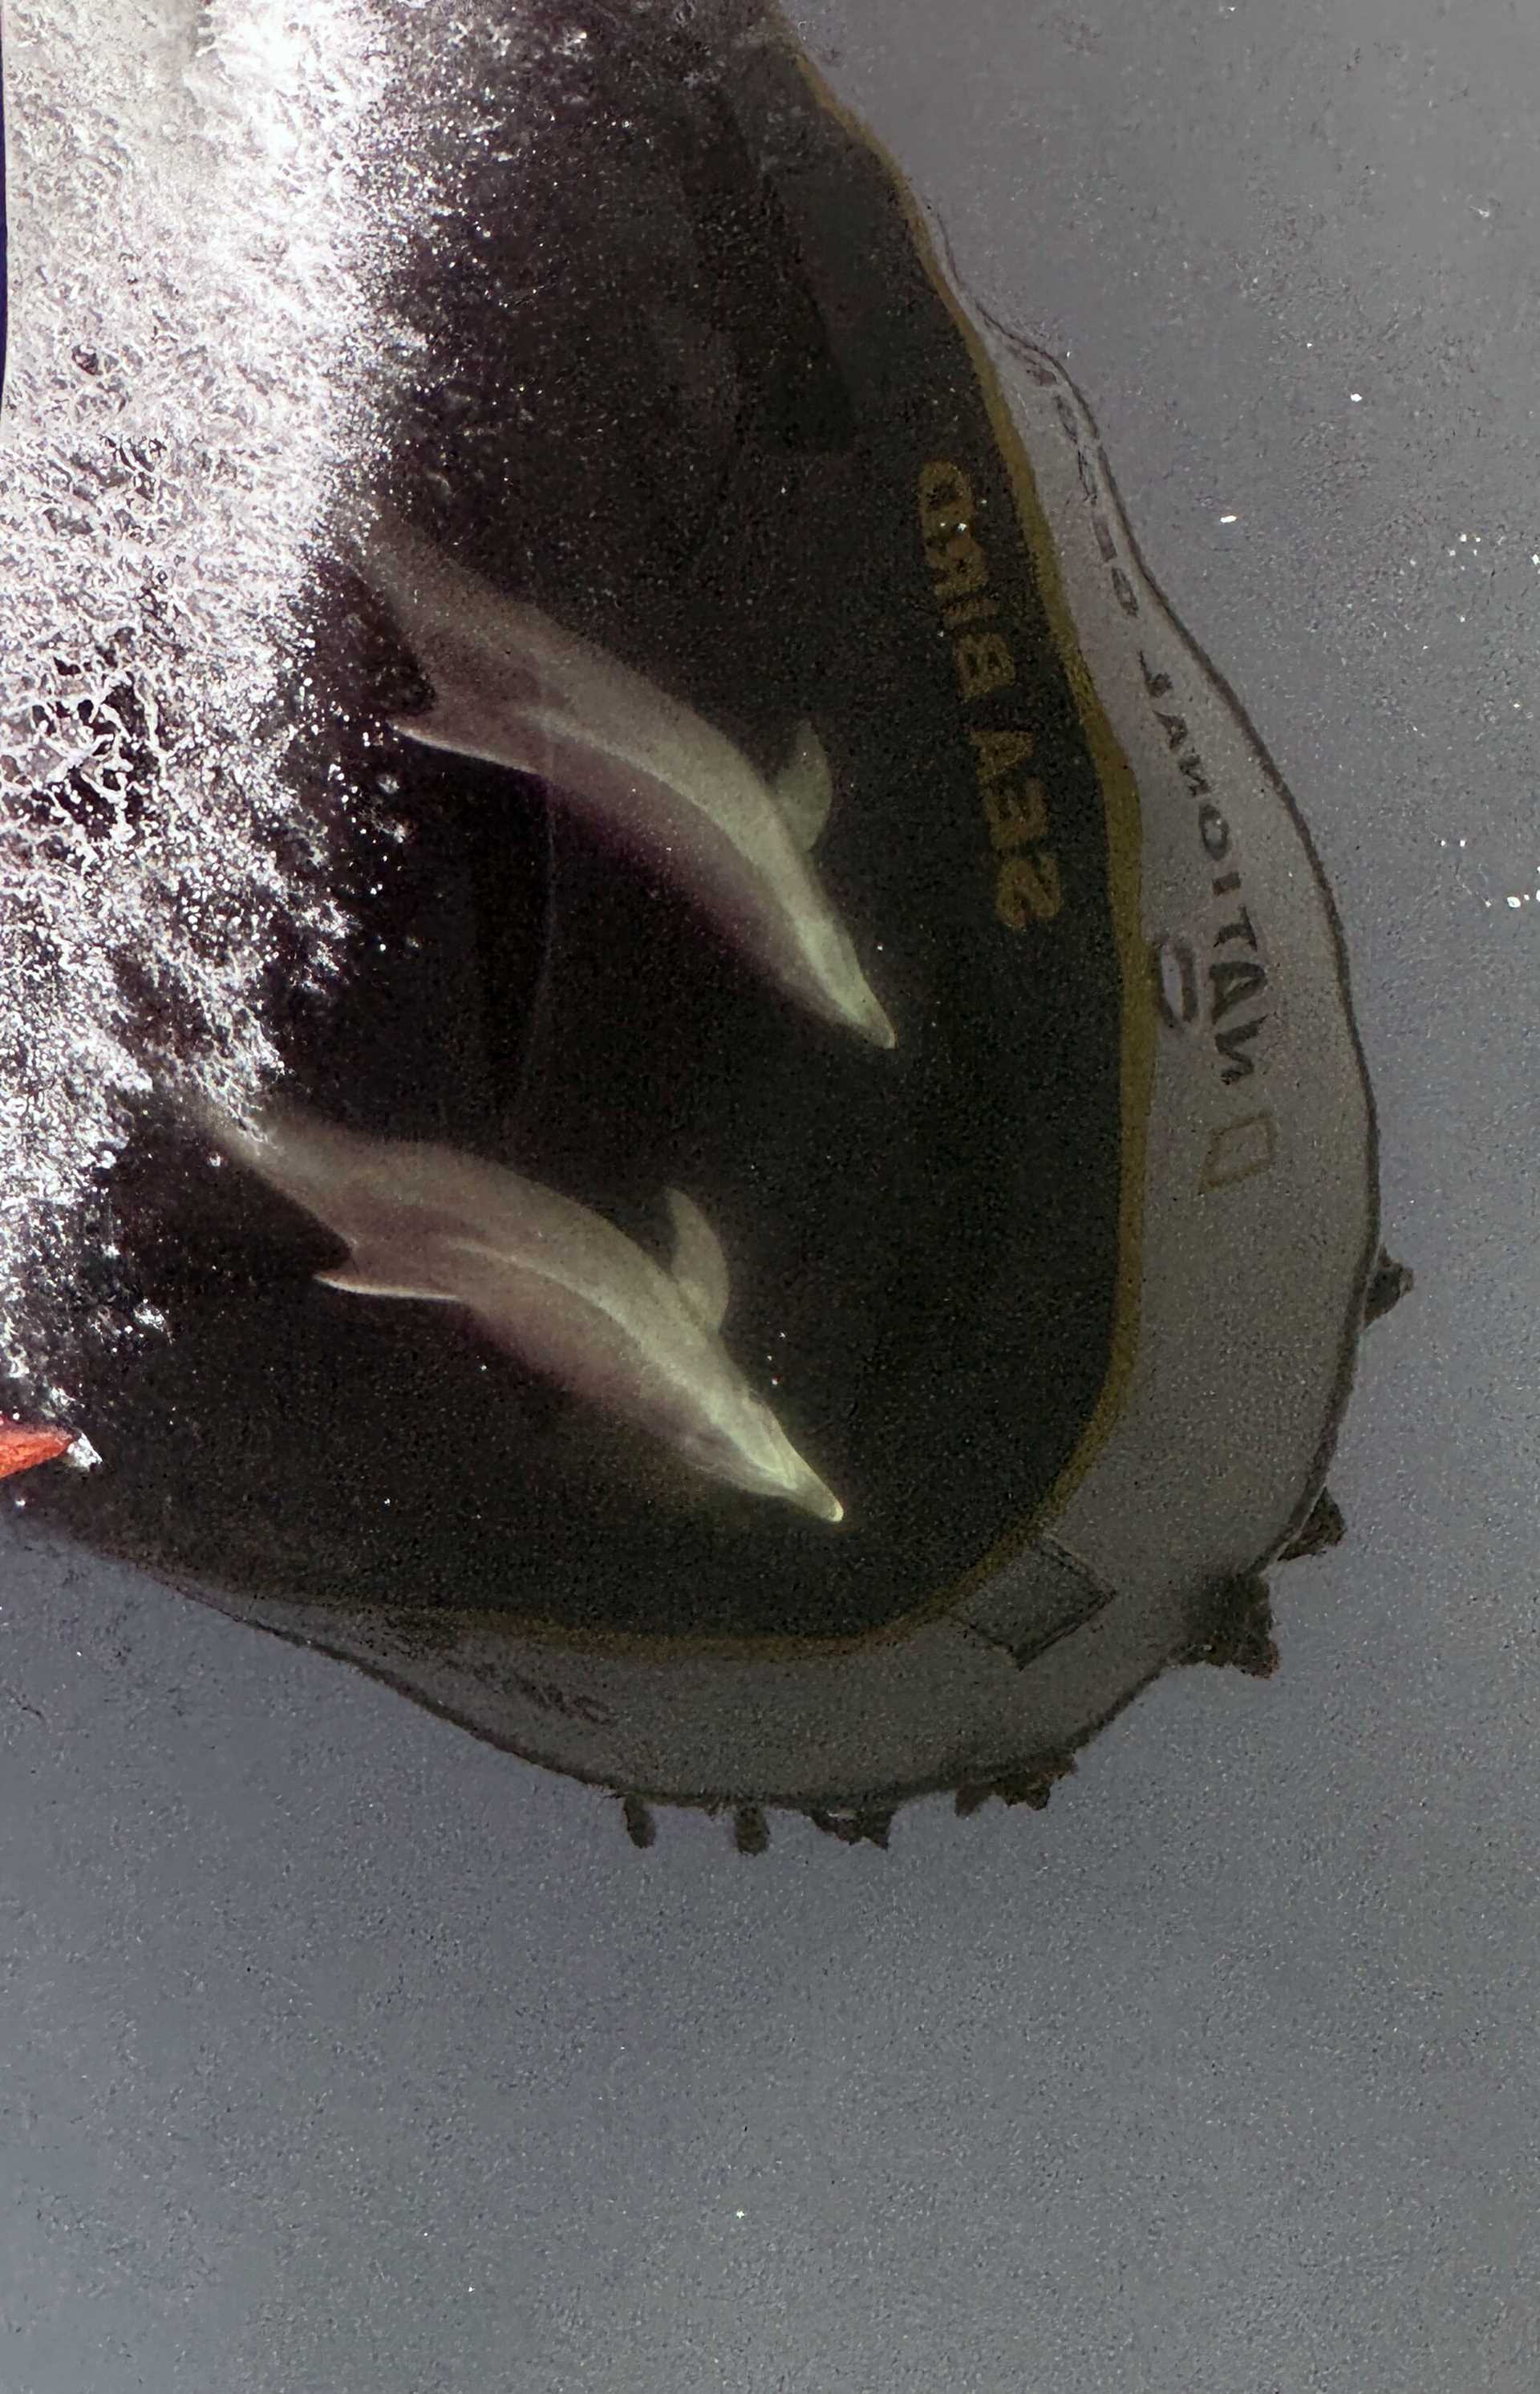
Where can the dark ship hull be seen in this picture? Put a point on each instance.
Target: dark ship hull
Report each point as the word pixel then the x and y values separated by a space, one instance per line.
pixel 1065 1296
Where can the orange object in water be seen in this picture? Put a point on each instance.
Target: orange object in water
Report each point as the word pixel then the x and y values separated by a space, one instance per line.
pixel 23 1445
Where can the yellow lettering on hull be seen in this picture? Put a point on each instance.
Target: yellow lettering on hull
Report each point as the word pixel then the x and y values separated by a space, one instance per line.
pixel 1028 885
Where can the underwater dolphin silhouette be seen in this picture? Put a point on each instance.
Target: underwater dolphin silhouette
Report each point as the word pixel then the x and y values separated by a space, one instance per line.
pixel 515 689
pixel 543 1277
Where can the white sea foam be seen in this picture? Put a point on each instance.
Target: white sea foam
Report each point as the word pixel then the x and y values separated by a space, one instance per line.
pixel 200 212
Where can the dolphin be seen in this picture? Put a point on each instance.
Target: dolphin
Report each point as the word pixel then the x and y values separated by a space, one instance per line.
pixel 513 688
pixel 543 1277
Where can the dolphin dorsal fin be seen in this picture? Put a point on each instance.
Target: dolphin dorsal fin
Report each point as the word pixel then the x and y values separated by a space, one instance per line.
pixel 804 787
pixel 699 1266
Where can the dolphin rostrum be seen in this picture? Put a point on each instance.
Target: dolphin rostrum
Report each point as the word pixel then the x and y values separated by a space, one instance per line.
pixel 515 689
pixel 543 1277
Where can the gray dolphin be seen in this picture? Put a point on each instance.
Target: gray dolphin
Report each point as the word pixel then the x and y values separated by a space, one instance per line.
pixel 515 689
pixel 543 1277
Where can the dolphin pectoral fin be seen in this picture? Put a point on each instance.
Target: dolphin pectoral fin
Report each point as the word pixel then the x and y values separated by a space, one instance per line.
pixel 699 1266
pixel 510 734
pixel 804 788
pixel 447 724
pixel 362 1280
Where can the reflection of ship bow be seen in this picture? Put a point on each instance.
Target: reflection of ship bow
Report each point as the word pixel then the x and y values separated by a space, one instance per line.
pixel 1067 1289
pixel 1255 1245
